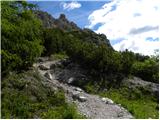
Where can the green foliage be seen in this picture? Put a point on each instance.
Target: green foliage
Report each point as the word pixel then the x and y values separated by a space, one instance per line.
pixel 62 112
pixel 127 61
pixel 140 57
pixel 21 36
pixel 23 40
pixel 140 105
pixel 53 41
pixel 25 96
pixel 58 56
pixel 147 70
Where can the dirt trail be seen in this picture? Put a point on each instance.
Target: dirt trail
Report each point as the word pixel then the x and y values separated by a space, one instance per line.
pixel 92 106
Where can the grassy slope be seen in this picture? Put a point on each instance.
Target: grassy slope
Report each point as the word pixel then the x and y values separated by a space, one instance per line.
pixel 140 105
pixel 24 96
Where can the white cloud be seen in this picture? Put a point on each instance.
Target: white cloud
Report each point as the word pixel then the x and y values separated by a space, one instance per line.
pixel 133 20
pixel 71 5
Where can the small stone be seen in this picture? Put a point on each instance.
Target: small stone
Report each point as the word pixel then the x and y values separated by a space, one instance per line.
pixel 56 65
pixel 70 80
pixel 105 90
pixel 48 75
pixel 82 99
pixel 107 100
pixel 75 95
pixel 43 67
pixel 40 60
pixel 120 114
pixel 78 89
pixel 119 105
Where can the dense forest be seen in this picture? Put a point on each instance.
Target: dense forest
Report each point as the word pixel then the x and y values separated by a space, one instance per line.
pixel 25 37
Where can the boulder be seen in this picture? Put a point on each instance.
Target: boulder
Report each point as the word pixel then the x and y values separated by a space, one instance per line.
pixel 107 100
pixel 43 67
pixel 48 75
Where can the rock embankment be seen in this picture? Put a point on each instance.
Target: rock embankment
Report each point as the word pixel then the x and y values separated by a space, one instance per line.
pixel 137 83
pixel 92 106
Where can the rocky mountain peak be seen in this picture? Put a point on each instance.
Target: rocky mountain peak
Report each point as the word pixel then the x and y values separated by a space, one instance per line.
pixel 50 22
pixel 68 26
pixel 62 17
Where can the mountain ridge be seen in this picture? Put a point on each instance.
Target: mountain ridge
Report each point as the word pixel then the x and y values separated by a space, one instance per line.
pixel 65 25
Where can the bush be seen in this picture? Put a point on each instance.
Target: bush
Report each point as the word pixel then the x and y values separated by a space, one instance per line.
pixel 21 36
pixel 63 112
pixel 147 70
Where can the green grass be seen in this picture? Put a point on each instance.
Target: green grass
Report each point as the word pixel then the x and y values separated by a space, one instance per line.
pixel 58 56
pixel 24 96
pixel 141 106
pixel 67 111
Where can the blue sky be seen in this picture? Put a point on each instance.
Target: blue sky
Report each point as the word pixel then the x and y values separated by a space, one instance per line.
pixel 128 24
pixel 78 15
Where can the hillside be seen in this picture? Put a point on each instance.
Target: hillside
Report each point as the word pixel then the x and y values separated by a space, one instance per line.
pixel 51 68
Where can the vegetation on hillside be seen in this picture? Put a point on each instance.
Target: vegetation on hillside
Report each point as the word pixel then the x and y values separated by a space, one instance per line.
pixel 21 36
pixel 24 39
pixel 25 96
pixel 101 60
pixel 139 103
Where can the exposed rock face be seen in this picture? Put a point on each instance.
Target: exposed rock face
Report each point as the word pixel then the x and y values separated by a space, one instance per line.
pixel 62 17
pixel 138 83
pixel 47 19
pixel 61 23
pixel 72 74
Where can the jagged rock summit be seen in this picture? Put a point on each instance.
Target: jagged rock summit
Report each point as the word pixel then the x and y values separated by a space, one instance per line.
pixel 50 22
pixel 65 25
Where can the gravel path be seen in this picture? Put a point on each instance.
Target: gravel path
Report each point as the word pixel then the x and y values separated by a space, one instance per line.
pixel 92 106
